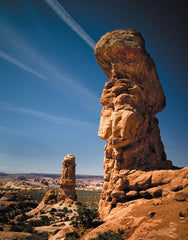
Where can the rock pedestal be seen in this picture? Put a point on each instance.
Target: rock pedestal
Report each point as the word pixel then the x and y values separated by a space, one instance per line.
pixel 68 179
pixel 130 100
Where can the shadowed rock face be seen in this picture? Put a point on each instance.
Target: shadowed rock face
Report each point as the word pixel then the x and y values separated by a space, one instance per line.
pixel 68 179
pixel 130 100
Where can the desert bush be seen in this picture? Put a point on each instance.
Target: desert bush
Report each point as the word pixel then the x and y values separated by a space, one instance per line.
pixel 16 228
pixel 22 228
pixel 61 215
pixel 65 210
pixel 183 213
pixel 22 218
pixel 110 235
pixel 74 223
pixel 53 210
pixel 66 219
pixel 62 224
pixel 86 214
pixel 39 236
pixel 71 236
pixel 56 231
pixel 42 222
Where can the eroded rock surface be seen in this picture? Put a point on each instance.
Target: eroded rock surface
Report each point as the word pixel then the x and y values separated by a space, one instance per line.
pixel 66 193
pixel 131 99
pixel 68 179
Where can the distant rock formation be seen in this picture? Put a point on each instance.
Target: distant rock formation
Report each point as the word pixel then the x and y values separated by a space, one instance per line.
pixel 66 194
pixel 68 179
pixel 130 100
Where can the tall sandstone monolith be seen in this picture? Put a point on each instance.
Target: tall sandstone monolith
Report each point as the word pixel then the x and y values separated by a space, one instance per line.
pixel 130 100
pixel 67 180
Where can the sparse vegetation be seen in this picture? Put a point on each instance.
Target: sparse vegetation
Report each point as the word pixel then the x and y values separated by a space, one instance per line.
pixel 44 221
pixel 65 210
pixel 88 196
pixel 61 215
pixel 39 236
pixel 83 219
pixel 110 235
pixel 71 236
pixel 74 223
pixel 52 211
pixel 22 228
pixel 183 213
pixel 66 219
pixel 86 215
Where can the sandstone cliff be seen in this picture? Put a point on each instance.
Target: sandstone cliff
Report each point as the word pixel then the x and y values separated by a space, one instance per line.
pixel 137 175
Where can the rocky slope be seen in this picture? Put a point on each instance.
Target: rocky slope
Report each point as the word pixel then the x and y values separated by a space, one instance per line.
pixel 157 219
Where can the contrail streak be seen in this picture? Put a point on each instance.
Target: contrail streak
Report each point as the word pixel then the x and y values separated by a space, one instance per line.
pixel 44 116
pixel 64 15
pixel 14 61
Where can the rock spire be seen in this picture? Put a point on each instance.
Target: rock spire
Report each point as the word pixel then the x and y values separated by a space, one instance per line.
pixel 68 179
pixel 130 100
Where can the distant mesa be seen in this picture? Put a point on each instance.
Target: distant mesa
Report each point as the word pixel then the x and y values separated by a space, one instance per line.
pixel 135 153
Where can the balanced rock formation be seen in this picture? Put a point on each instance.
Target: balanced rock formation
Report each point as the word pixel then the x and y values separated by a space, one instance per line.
pixel 130 100
pixel 68 179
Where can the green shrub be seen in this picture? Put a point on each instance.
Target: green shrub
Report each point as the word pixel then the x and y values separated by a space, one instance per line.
pixel 39 236
pixel 71 236
pixel 74 224
pixel 16 228
pixel 183 213
pixel 61 215
pixel 53 210
pixel 65 210
pixel 37 223
pixel 66 219
pixel 86 215
pixel 56 231
pixel 23 228
pixel 110 235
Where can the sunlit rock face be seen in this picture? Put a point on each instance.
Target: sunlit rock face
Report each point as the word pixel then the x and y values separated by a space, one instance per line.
pixel 68 179
pixel 130 100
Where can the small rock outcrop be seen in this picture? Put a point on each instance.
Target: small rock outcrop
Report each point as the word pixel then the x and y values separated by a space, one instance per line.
pixel 135 153
pixel 68 179
pixel 14 203
pixel 50 197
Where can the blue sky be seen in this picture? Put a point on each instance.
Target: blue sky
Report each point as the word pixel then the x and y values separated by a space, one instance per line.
pixel 50 84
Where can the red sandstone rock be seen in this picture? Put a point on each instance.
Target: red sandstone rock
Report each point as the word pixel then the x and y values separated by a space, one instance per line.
pixel 68 179
pixel 50 197
pixel 131 99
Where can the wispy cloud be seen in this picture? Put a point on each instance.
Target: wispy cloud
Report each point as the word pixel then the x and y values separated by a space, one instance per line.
pixel 14 61
pixel 19 48
pixel 12 131
pixel 44 116
pixel 65 16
